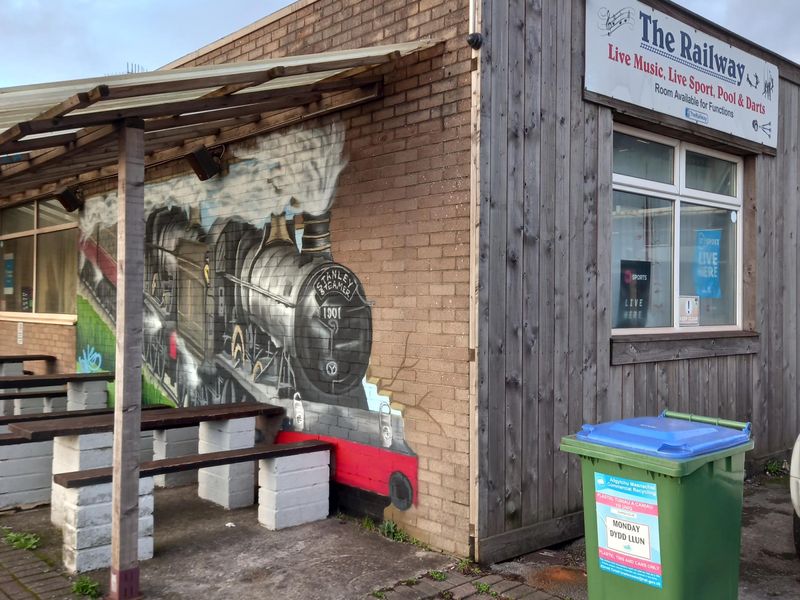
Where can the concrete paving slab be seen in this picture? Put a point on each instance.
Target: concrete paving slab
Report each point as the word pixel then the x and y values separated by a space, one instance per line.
pixel 769 567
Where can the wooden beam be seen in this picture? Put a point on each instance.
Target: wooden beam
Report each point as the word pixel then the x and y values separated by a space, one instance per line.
pixel 86 139
pixel 41 186
pixel 197 105
pixel 124 584
pixel 39 143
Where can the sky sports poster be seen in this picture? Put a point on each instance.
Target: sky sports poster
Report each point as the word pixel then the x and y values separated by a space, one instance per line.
pixel 641 56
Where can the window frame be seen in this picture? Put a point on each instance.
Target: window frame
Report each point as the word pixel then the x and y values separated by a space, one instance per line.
pixel 35 316
pixel 677 193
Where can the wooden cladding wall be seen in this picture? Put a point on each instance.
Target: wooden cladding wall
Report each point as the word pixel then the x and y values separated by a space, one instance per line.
pixel 544 322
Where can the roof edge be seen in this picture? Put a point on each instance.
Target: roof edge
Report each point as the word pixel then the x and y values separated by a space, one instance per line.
pixel 239 33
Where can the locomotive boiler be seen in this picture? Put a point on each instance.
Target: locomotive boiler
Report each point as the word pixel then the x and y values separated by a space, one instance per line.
pixel 287 316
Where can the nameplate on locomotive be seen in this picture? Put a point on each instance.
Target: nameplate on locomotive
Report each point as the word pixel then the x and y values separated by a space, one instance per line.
pixel 335 280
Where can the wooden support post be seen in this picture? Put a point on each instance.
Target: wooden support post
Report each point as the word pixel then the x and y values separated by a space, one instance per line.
pixel 124 583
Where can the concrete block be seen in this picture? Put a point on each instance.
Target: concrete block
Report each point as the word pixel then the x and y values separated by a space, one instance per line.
pixel 12 368
pixel 214 441
pixel 88 559
pixel 29 450
pixel 25 481
pixel 172 436
pixel 146 446
pixel 237 482
pixel 55 404
pixel 295 479
pixel 28 406
pixel 90 441
pixel 28 497
pixel 229 426
pixel 281 519
pixel 99 514
pixel 293 498
pixel 100 535
pixel 298 462
pixel 24 466
pixel 72 460
pixel 88 494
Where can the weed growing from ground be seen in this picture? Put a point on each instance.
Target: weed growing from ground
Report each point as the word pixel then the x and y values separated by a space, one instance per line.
pixel 438 575
pixel 367 524
pixel 379 594
pixel 465 567
pixel 22 541
pixel 774 468
pixel 391 530
pixel 86 587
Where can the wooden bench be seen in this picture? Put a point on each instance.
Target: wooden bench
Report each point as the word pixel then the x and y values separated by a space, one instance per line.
pixel 170 418
pixel 151 468
pixel 294 489
pixel 48 416
pixel 51 379
pixel 29 395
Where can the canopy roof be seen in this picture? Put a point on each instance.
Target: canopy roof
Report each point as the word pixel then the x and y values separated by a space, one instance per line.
pixel 63 134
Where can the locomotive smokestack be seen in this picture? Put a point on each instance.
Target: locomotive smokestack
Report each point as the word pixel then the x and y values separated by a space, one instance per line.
pixel 317 234
pixel 278 232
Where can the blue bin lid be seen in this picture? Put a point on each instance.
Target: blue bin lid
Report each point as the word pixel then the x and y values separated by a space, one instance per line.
pixel 664 437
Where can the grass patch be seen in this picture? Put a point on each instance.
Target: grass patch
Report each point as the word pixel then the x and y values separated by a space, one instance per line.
pixel 86 587
pixel 438 575
pixel 22 541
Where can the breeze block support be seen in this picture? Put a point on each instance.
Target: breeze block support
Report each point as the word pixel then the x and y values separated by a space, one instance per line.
pixel 77 453
pixel 86 525
pixel 230 486
pixel 171 443
pixel 293 489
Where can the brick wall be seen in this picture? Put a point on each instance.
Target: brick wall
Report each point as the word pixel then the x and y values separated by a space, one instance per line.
pixel 39 338
pixel 401 222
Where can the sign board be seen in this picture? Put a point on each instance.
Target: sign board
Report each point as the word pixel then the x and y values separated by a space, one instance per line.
pixel 634 293
pixel 639 55
pixel 8 280
pixel 689 315
pixel 20 333
pixel 628 541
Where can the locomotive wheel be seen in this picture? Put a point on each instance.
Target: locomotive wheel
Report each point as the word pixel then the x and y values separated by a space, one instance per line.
pixel 258 370
pixel 237 346
pixel 400 491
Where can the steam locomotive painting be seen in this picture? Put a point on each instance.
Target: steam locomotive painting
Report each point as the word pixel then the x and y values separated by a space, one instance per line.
pixel 238 312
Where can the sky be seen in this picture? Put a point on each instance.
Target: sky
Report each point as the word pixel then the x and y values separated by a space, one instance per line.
pixel 53 40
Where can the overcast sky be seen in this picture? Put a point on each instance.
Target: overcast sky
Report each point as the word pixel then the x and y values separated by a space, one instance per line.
pixel 52 40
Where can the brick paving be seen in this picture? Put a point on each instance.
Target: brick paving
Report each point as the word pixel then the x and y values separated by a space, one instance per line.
pixel 459 586
pixel 24 576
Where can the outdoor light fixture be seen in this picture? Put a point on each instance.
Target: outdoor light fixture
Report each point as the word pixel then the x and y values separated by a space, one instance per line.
pixel 204 163
pixel 70 198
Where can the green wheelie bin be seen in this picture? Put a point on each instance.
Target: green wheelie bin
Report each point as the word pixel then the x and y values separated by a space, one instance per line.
pixel 662 501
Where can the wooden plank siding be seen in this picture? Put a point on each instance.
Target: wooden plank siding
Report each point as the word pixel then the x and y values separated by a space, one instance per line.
pixel 547 362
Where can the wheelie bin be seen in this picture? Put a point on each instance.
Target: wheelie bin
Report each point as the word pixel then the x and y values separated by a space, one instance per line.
pixel 662 500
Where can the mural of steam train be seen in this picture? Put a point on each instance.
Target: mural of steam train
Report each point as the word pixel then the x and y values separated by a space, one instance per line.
pixel 240 312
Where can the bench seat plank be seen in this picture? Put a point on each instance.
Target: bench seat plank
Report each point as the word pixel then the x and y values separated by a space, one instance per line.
pixel 89 412
pixel 10 439
pixel 169 418
pixel 57 393
pixel 29 381
pixel 191 462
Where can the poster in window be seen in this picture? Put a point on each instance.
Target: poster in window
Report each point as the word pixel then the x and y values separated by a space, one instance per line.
pixel 706 263
pixel 634 293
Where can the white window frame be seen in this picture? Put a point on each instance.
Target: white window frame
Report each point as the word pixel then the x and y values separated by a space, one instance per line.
pixel 34 316
pixel 677 193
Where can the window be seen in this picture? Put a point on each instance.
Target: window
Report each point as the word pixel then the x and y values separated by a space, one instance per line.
pixel 676 235
pixel 39 243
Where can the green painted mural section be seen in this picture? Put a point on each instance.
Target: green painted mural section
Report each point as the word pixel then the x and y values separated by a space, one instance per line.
pixel 96 349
